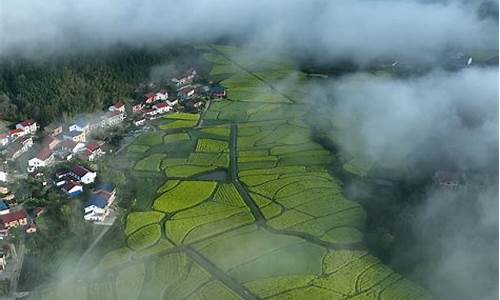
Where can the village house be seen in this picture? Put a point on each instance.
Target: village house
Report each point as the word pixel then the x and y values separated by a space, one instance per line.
pixel 113 118
pixel 186 92
pixel 140 121
pixel 72 188
pixel 149 98
pixel 43 158
pixel 12 220
pixel 28 126
pixel 118 106
pixel 16 133
pixel 137 107
pixel 17 148
pixel 82 125
pixel 92 151
pixel 185 78
pixel 449 179
pixel 150 113
pixel 161 95
pixel 97 208
pixel 50 142
pixel 3 174
pixel 75 136
pixel 4 139
pixel 53 129
pixel 162 108
pixel 70 147
pixel 84 175
pixel 217 91
pixel 4 208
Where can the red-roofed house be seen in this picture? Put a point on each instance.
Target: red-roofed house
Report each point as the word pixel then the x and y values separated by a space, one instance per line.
pixel 15 133
pixel 12 220
pixel 118 106
pixel 150 112
pixel 28 126
pixel 149 98
pixel 162 108
pixel 84 175
pixel 92 151
pixel 72 188
pixel 44 157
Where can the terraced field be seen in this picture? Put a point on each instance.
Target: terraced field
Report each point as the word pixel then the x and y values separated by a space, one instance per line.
pixel 276 226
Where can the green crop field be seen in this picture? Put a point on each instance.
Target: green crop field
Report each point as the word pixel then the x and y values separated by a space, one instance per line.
pixel 150 163
pixel 185 194
pixel 277 225
pixel 209 145
pixel 137 220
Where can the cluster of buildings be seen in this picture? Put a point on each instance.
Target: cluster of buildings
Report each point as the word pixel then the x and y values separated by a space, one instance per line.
pixel 71 181
pixel 19 140
pixel 16 218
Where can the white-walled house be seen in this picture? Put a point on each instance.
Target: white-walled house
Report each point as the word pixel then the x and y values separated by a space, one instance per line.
pixel 162 108
pixel 75 136
pixel 84 175
pixel 161 95
pixel 28 126
pixel 97 208
pixel 118 106
pixel 43 158
pixel 80 125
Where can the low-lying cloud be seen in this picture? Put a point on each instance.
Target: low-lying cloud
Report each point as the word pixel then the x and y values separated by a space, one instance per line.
pixel 358 30
pixel 451 118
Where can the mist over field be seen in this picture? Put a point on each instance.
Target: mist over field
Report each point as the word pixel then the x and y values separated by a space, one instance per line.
pixel 436 120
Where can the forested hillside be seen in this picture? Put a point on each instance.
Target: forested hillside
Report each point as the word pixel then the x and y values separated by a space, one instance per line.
pixel 51 88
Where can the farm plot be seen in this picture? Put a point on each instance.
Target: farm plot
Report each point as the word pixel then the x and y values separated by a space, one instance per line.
pixel 144 237
pixel 176 137
pixel 184 195
pixel 303 200
pixel 137 220
pixel 177 121
pixel 224 212
pixel 284 172
pixel 240 252
pixel 150 163
pixel 149 139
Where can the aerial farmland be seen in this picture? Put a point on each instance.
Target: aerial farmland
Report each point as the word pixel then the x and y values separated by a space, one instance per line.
pixel 239 206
